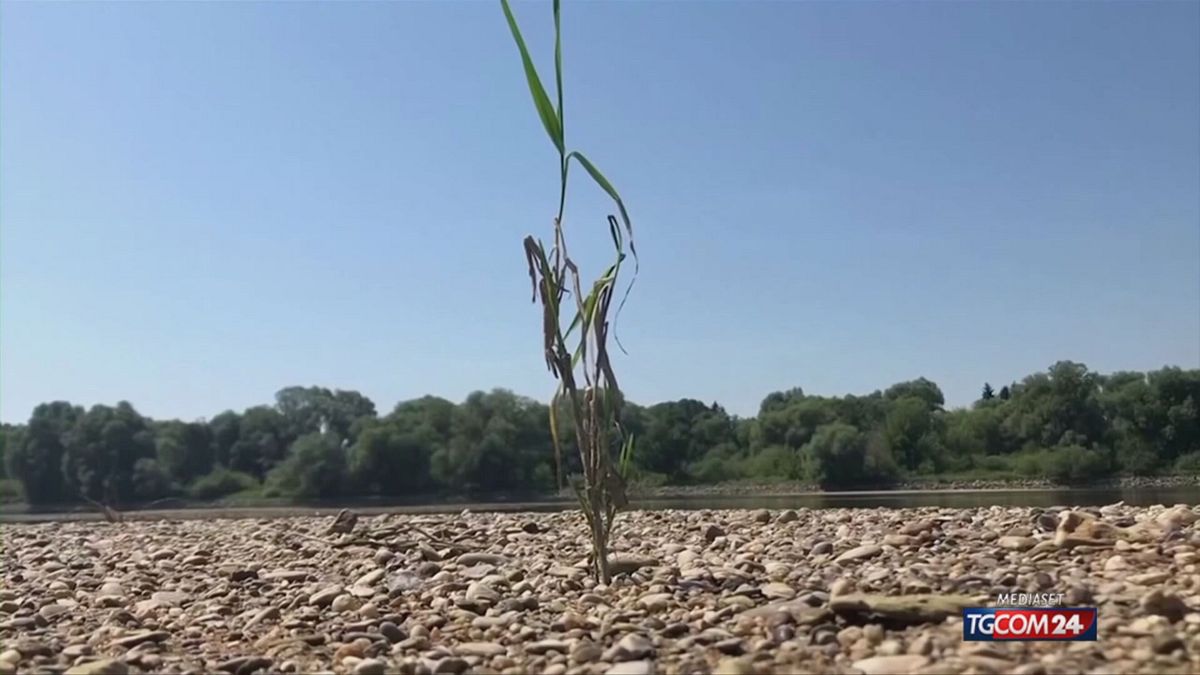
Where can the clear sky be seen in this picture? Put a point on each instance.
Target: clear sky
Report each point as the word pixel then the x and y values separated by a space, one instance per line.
pixel 201 203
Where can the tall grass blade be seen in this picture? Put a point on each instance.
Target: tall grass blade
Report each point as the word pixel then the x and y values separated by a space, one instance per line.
pixel 541 101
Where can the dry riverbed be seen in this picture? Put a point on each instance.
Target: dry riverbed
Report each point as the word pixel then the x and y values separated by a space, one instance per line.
pixel 809 591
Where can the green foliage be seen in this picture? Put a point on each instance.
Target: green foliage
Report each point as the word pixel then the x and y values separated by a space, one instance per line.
pixel 315 467
pixel 1188 464
pixel 499 442
pixel 221 482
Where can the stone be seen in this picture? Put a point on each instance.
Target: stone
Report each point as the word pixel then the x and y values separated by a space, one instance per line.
pixel 586 651
pixel 713 532
pixel 392 632
pixel 788 516
pixel 543 646
pixel 325 596
pixel 1168 605
pixel 1015 543
pixel 370 667
pixel 777 591
pixel 344 603
pixel 141 637
pixel 891 665
pixel 859 553
pixel 1115 564
pixel 100 667
pixel 174 598
pixel 1147 578
pixel 1167 642
pixel 632 668
pixel 627 564
pixel 905 609
pixel 53 611
pixel 471 559
pixel 632 646
pixel 655 602
pixel 484 649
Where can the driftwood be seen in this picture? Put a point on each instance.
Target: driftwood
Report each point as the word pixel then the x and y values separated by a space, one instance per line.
pixel 110 514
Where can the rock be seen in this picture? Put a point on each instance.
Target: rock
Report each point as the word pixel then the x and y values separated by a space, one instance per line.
pixel 632 668
pixel 1115 564
pixel 655 602
pixel 628 564
pixel 762 516
pixel 471 559
pixel 451 666
pixel 841 587
pixel 1157 602
pixel 1147 578
pixel 734 666
pixel 1015 543
pixel 823 548
pixel 543 646
pixel 141 637
pixel 891 665
pixel 383 556
pixel 52 611
pixel 174 598
pixel 859 553
pixel 530 527
pixel 915 528
pixel 1176 517
pixel 343 603
pixel 244 665
pixel 1167 642
pixel 632 646
pixel 325 596
pixel 712 532
pixel 101 667
pixel 392 632
pixel 900 609
pixel 10 656
pixel 586 651
pixel 483 649
pixel 777 591
pixel 788 516
pixel 370 667
pixel 344 522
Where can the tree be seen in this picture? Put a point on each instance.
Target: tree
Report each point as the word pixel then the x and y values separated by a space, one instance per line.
pixel 1004 393
pixel 184 449
pixel 306 409
pixel 919 388
pixel 101 450
pixel 262 442
pixel 913 435
pixel 315 467
pixel 35 454
pixel 988 394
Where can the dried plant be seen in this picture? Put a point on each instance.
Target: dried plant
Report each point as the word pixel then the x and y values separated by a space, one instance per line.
pixel 576 334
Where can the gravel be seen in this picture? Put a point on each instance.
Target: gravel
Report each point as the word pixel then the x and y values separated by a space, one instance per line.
pixel 801 591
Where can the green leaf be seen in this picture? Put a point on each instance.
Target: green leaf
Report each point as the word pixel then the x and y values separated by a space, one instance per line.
pixel 541 101
pixel 558 71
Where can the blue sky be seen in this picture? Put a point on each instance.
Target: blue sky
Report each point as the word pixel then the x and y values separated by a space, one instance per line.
pixel 201 203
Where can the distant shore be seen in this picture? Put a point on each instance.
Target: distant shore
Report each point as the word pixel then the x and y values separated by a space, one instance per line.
pixel 792 488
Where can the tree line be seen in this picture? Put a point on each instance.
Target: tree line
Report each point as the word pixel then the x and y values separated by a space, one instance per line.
pixel 1068 424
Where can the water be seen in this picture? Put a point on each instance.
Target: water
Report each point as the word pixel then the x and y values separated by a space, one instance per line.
pixel 1141 496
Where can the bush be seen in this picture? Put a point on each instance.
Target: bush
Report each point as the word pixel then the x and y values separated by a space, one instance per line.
pixel 1073 465
pixel 151 481
pixel 1188 464
pixel 220 482
pixel 773 463
pixel 315 467
pixel 10 491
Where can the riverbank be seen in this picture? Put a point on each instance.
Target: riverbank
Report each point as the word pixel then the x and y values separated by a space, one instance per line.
pixel 795 487
pixel 808 591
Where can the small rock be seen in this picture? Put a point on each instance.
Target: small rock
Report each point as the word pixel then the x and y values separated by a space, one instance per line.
pixel 712 532
pixel 891 665
pixel 391 631
pixel 762 516
pixel 1015 543
pixel 370 667
pixel 631 647
pixel 859 553
pixel 484 649
pixel 141 637
pixel 1168 642
pixel 101 667
pixel 632 668
pixel 471 559
pixel 344 603
pixel 325 596
pixel 1164 604
pixel 1115 564
pixel 788 516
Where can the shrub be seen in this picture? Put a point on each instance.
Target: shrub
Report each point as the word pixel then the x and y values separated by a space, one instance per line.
pixel 220 482
pixel 1188 464
pixel 1072 465
pixel 151 481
